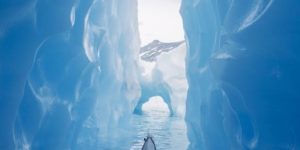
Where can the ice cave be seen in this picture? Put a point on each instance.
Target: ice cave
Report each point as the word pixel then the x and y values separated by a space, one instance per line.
pixel 104 74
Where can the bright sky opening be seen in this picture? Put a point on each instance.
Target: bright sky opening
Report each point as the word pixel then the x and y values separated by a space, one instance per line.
pixel 155 105
pixel 160 20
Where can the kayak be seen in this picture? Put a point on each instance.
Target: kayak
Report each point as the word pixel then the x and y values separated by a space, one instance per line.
pixel 149 144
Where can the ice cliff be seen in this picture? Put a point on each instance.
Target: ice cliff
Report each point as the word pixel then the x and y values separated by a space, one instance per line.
pixel 67 71
pixel 243 74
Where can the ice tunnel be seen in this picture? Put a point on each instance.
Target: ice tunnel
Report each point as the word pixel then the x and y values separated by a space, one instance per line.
pixel 152 89
pixel 70 75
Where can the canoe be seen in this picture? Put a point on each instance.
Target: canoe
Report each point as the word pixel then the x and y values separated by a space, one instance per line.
pixel 149 144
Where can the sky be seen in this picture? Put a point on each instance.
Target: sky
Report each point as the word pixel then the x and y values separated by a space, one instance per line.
pixel 159 19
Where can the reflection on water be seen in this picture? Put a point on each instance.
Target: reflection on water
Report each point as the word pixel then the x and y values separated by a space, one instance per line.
pixel 168 132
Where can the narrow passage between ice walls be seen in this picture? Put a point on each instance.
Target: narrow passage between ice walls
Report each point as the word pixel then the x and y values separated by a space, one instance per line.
pixel 70 74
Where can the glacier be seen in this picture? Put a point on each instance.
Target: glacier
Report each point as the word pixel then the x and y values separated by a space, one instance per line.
pixel 242 69
pixel 162 74
pixel 72 75
pixel 59 61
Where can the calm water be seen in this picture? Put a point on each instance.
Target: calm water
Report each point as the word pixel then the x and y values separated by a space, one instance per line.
pixel 168 132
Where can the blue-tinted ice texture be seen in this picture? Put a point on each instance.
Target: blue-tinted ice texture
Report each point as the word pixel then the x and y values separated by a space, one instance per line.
pixel 162 74
pixel 67 72
pixel 243 71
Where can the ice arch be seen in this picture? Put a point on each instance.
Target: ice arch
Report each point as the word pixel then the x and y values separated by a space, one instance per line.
pixel 162 67
pixel 155 87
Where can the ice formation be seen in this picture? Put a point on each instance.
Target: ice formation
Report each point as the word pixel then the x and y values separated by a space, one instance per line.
pixel 163 74
pixel 243 73
pixel 69 73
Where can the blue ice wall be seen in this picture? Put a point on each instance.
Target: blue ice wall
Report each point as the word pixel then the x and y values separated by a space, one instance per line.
pixel 67 72
pixel 243 70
